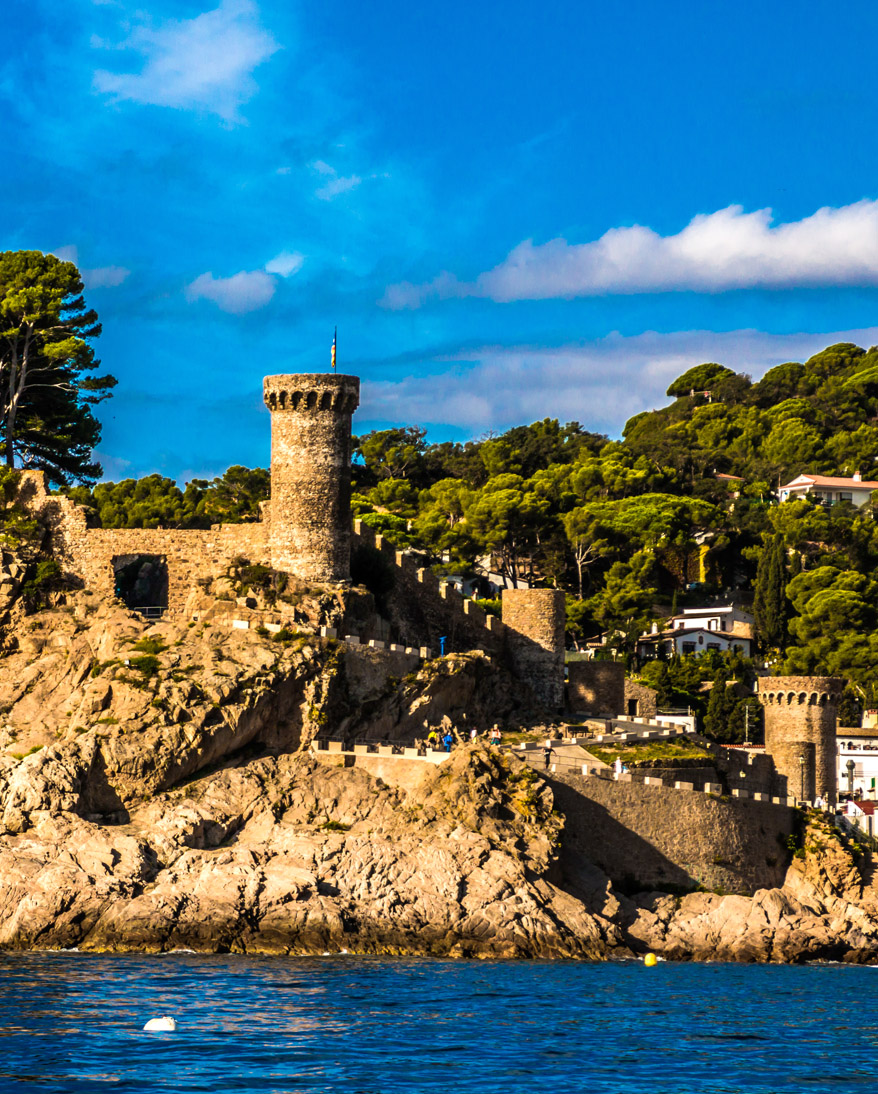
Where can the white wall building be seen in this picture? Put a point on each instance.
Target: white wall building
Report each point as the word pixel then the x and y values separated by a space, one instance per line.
pixel 828 490
pixel 712 619
pixel 697 630
pixel 859 747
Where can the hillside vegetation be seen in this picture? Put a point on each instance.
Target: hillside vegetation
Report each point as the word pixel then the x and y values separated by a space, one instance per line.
pixel 631 528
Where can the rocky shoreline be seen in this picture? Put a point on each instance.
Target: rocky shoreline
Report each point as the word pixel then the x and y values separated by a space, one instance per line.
pixel 170 800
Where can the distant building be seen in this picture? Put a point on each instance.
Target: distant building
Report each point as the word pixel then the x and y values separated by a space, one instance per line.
pixel 859 747
pixel 697 630
pixel 862 815
pixel 828 490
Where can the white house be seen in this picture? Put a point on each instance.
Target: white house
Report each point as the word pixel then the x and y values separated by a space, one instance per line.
pixel 729 619
pixel 858 747
pixel 697 630
pixel 862 815
pixel 828 490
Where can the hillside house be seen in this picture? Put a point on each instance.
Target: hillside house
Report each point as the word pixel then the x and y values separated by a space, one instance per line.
pixel 697 630
pixel 860 747
pixel 828 490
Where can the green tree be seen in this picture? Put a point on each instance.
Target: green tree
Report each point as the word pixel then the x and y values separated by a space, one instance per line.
pixel 719 709
pixel 699 378
pixel 624 606
pixel 47 368
pixel 393 453
pixel 770 605
pixel 233 497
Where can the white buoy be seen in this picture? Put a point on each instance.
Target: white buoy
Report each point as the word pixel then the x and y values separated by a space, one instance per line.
pixel 161 1025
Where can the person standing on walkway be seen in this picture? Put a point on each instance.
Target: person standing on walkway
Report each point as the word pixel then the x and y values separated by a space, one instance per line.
pixel 433 739
pixel 448 741
pixel 547 752
pixel 495 735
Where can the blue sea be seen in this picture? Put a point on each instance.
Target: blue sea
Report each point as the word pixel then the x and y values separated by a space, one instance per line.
pixel 74 1022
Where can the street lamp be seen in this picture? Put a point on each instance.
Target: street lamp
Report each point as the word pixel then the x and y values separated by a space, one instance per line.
pixel 802 780
pixel 850 765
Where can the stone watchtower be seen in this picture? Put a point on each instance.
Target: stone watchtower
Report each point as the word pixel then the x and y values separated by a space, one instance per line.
pixel 310 533
pixel 535 620
pixel 800 726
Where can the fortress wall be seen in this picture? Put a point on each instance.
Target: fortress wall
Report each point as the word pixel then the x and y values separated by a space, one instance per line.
pixel 653 836
pixel 89 553
pixel 422 609
pixel 596 687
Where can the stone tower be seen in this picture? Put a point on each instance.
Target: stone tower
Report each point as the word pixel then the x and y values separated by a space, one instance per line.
pixel 310 532
pixel 535 620
pixel 800 722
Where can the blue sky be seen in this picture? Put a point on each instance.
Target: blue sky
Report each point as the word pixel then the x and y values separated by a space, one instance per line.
pixel 511 210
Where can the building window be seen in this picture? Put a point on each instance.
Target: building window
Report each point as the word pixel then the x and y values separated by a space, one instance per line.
pixel 713 645
pixel 688 647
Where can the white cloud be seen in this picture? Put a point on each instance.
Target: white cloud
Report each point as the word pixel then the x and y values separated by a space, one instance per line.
pixel 728 249
pixel 600 384
pixel 243 292
pixel 204 63
pixel 103 277
pixel 286 263
pixel 337 186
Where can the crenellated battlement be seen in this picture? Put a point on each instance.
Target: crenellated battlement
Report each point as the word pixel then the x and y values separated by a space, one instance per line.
pixel 312 392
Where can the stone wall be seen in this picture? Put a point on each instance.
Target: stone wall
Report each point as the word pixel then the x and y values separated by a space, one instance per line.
pixel 421 609
pixel 535 625
pixel 92 554
pixel 640 701
pixel 801 711
pixel 654 837
pixel 596 688
pixel 311 473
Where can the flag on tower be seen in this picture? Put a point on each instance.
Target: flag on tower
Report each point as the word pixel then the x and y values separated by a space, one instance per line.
pixel 334 340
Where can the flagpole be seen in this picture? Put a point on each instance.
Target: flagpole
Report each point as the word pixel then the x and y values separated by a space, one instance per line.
pixel 334 344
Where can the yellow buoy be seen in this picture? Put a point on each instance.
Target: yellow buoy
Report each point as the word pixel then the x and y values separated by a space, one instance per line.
pixel 650 960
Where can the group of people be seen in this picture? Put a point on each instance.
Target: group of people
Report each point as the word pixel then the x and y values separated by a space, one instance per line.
pixel 447 739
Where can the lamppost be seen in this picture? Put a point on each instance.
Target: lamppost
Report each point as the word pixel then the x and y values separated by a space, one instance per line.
pixel 802 780
pixel 850 765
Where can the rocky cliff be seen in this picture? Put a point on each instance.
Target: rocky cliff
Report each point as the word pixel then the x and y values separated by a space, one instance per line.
pixel 157 791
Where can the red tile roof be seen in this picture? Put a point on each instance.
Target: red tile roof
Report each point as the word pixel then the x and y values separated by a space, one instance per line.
pixel 828 480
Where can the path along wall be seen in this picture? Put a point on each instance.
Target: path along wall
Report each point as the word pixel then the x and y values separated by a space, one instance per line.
pixel 654 837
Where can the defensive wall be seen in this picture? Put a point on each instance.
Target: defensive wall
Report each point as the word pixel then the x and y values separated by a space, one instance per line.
pixel 596 688
pixel 93 554
pixel 424 609
pixel 649 836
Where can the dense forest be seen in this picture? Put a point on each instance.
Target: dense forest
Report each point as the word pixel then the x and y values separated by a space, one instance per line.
pixel 681 509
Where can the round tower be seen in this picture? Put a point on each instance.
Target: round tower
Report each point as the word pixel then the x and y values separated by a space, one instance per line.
pixel 535 620
pixel 310 534
pixel 801 713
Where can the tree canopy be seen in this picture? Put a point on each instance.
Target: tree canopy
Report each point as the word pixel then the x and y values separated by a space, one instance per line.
pixel 48 384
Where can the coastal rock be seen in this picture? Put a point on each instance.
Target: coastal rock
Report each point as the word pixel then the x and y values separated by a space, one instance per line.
pixel 158 790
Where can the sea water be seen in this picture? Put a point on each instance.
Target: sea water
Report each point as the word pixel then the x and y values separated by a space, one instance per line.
pixel 74 1022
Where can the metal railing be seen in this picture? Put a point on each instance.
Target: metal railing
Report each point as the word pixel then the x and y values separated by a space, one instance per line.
pixel 152 611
